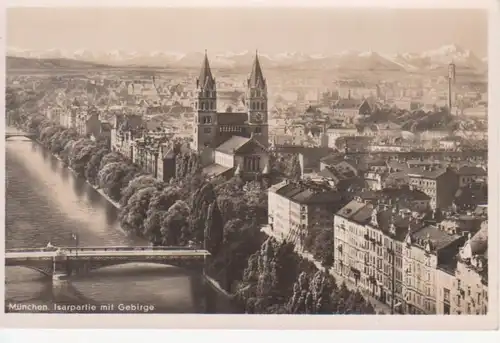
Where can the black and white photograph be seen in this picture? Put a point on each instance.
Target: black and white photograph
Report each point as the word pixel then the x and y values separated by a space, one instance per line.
pixel 260 161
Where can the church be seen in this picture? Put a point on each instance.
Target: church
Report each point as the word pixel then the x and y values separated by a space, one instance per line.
pixel 231 142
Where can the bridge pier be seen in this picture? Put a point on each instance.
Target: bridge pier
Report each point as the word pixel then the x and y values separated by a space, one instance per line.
pixel 60 267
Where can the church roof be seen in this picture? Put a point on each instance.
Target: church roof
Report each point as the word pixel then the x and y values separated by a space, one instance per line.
pixel 256 79
pixel 206 80
pixel 237 144
pixel 232 144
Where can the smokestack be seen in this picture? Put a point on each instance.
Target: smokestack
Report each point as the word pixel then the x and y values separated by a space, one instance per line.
pixel 451 81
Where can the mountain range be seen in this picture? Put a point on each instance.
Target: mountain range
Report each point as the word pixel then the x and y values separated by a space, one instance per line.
pixel 464 59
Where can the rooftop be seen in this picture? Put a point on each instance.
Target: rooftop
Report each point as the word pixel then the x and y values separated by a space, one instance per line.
pixel 356 211
pixel 472 171
pixel 232 144
pixel 436 237
pixel 308 193
pixel 427 174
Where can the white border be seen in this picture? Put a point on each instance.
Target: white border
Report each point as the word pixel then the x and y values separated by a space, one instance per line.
pixel 293 322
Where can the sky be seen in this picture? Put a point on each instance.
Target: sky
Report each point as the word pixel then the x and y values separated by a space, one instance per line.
pixel 307 30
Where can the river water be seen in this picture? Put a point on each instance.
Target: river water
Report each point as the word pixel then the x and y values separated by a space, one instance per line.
pixel 45 202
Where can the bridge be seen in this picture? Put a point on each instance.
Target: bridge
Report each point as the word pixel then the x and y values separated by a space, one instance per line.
pixel 66 261
pixel 20 134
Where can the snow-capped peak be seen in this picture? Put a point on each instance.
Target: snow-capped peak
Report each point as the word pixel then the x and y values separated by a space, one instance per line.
pixel 370 59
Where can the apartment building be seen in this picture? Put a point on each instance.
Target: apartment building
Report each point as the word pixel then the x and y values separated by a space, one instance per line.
pixel 424 250
pixel 350 243
pixel 440 184
pixel 125 129
pixel 296 207
pixel 463 282
pixel 369 241
pixel 54 113
pixel 468 175
pixel 67 119
pixel 87 122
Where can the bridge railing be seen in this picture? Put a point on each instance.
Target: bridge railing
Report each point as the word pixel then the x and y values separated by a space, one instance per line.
pixel 105 248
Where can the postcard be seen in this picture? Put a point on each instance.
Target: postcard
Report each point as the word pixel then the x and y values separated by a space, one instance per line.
pixel 249 167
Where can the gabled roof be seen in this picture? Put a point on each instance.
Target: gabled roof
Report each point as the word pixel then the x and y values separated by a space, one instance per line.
pixel 256 79
pixel 237 144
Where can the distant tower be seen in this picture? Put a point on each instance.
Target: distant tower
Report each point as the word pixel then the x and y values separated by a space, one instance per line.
pixel 451 82
pixel 257 103
pixel 205 124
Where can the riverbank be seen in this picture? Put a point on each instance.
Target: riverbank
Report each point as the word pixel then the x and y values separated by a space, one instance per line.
pixel 105 196
pixel 117 205
pixel 218 287
pixel 213 283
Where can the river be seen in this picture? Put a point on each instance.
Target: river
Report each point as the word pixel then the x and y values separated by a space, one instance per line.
pixel 45 202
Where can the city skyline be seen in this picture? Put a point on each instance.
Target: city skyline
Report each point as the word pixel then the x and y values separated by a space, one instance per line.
pixel 391 30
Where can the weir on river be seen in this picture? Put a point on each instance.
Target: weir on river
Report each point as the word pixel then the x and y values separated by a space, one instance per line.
pixel 45 202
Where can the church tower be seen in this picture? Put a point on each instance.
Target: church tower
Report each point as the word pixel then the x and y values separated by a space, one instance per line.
pixel 205 125
pixel 257 104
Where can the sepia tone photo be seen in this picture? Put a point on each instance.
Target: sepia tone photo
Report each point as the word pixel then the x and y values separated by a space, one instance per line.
pixel 246 161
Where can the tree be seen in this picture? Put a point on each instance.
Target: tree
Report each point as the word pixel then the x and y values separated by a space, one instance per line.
pixel 301 302
pixel 160 203
pixel 270 277
pixel 135 185
pixel 133 215
pixel 322 288
pixel 241 240
pixel 111 177
pixel 48 132
pixel 92 167
pixel 323 248
pixel 214 229
pixel 174 223
pixel 67 151
pixel 199 211
pixel 61 139
pixel 110 158
pixel 194 164
pixel 81 156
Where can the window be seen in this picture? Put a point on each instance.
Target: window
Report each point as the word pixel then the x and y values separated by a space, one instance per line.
pixel 258 130
pixel 446 296
pixel 252 163
pixel 207 130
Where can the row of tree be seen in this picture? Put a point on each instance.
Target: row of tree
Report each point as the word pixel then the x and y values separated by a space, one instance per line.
pixel 223 214
pixel 182 211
